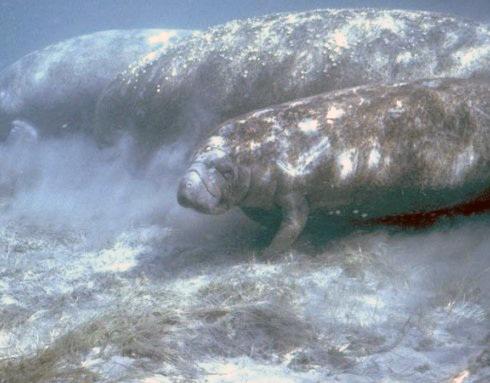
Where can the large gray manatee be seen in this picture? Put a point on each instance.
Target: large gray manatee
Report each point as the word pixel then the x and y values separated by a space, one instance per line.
pixel 361 154
pixel 55 89
pixel 248 64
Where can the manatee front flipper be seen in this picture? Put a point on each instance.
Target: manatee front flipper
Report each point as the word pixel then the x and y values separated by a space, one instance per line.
pixel 295 214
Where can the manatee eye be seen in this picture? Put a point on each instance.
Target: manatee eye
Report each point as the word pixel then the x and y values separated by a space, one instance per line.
pixel 226 169
pixel 228 174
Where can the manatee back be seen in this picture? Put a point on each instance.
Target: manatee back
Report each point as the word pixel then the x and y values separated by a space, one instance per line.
pixel 248 64
pixel 421 145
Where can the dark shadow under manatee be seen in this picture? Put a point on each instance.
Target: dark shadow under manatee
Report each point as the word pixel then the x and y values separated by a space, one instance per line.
pixel 234 239
pixel 322 228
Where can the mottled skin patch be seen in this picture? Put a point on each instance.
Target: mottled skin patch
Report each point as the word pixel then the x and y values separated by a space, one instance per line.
pixel 431 141
pixel 56 88
pixel 249 64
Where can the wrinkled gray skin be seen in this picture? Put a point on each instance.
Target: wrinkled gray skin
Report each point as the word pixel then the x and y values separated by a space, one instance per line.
pixel 55 89
pixel 249 64
pixel 360 153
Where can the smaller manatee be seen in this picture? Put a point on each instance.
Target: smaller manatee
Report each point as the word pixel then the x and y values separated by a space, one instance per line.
pixel 359 154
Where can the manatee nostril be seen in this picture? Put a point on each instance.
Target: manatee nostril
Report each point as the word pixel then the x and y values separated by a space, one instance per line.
pixel 183 197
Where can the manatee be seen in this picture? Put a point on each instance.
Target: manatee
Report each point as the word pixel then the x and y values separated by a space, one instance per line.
pixel 56 88
pixel 249 64
pixel 357 154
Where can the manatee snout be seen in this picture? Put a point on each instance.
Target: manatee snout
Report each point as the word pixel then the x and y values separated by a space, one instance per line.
pixel 200 190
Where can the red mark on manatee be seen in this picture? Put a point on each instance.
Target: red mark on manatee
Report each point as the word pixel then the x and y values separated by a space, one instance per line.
pixel 422 219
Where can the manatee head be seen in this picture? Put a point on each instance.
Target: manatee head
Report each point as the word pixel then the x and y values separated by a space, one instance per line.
pixel 214 183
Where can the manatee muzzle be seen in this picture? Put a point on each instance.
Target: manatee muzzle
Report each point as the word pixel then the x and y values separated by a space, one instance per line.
pixel 200 189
